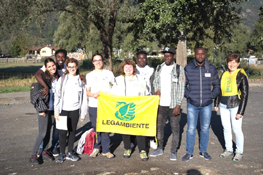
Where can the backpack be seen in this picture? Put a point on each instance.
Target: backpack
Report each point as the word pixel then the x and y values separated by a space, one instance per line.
pixel 89 143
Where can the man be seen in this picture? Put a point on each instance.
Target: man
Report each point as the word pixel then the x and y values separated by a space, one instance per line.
pixel 147 72
pixel 201 87
pixel 169 82
pixel 60 57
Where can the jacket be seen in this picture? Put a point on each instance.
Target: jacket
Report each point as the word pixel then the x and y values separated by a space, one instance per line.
pixel 198 84
pixel 59 97
pixel 234 101
pixel 177 88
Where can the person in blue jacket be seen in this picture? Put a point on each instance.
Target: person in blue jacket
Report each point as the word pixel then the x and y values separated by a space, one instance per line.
pixel 202 85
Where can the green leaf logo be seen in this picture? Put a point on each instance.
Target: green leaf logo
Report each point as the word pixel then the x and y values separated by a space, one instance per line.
pixel 125 112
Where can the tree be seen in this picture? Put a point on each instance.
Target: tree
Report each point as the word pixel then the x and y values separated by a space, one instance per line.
pixel 168 19
pixel 102 13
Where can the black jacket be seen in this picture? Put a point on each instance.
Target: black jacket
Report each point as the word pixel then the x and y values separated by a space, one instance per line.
pixel 234 101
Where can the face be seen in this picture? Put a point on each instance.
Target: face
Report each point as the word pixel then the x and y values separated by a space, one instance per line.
pixel 200 56
pixel 232 65
pixel 72 68
pixel 60 59
pixel 51 67
pixel 97 62
pixel 168 59
pixel 128 70
pixel 141 60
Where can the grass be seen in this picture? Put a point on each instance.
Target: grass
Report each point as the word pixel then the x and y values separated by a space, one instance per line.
pixel 20 67
pixel 14 89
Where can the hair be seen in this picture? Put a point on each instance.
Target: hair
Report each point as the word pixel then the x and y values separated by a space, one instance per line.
pixel 141 52
pixel 233 56
pixel 61 50
pixel 97 54
pixel 200 48
pixel 128 62
pixel 72 60
pixel 47 74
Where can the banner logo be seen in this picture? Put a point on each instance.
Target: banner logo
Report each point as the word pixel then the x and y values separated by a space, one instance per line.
pixel 125 112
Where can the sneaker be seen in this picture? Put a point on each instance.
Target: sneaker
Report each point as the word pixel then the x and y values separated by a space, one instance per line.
pixel 226 154
pixel 157 152
pixel 40 152
pixel 238 156
pixel 143 155
pixel 72 156
pixel 205 155
pixel 33 159
pixel 47 156
pixel 173 156
pixel 61 158
pixel 127 153
pixel 95 152
pixel 187 157
pixel 55 152
pixel 108 155
pixel 153 144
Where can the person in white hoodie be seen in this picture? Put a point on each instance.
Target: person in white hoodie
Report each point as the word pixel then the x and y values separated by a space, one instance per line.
pixel 70 101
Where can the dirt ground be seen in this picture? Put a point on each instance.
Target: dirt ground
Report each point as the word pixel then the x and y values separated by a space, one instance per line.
pixel 18 123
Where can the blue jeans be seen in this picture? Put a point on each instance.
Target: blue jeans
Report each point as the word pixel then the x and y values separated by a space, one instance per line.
pixel 229 122
pixel 102 138
pixel 192 117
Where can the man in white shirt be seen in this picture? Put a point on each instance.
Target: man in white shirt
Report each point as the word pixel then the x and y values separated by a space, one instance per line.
pixel 147 72
pixel 169 82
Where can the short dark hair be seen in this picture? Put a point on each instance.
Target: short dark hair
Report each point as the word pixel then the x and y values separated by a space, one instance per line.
pixel 61 50
pixel 233 56
pixel 128 62
pixel 200 48
pixel 141 52
pixel 97 54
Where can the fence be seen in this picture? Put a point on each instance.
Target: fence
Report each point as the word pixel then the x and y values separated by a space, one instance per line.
pixel 19 60
pixel 18 75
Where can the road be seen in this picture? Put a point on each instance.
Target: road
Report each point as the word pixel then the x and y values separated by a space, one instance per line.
pixel 18 123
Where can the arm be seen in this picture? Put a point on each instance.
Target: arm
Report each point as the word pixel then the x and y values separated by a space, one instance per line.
pixel 84 104
pixel 216 84
pixel 57 99
pixel 156 83
pixel 244 96
pixel 187 88
pixel 180 88
pixel 94 95
pixel 39 78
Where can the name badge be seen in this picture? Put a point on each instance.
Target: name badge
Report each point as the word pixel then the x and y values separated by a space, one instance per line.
pixel 207 74
pixel 175 80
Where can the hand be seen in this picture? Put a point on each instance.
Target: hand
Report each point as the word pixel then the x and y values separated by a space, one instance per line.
pixel 158 93
pixel 238 116
pixel 45 91
pixel 43 114
pixel 96 95
pixel 56 116
pixel 216 108
pixel 82 119
pixel 177 110
pixel 83 78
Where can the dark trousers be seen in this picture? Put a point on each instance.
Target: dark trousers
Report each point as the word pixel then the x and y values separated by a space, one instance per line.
pixel 141 142
pixel 163 113
pixel 102 138
pixel 72 121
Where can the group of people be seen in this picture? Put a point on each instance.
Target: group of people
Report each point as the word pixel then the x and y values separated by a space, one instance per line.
pixel 65 93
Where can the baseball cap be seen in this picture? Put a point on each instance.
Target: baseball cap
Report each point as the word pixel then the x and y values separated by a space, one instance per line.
pixel 168 49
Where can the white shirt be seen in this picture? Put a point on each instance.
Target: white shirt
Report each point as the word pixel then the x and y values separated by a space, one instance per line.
pixel 60 72
pixel 146 72
pixel 165 76
pixel 71 94
pixel 99 81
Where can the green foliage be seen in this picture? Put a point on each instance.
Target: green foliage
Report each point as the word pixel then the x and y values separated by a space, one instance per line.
pixel 14 89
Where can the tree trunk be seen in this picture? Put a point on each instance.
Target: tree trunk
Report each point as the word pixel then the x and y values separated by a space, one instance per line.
pixel 106 42
pixel 181 56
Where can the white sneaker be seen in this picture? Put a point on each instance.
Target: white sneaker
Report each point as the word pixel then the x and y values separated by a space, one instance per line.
pixel 153 144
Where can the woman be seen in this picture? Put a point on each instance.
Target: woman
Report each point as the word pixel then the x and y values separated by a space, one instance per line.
pixel 130 84
pixel 70 101
pixel 98 80
pixel 45 108
pixel 233 101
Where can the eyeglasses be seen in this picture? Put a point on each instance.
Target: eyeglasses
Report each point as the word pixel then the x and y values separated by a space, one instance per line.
pixel 71 67
pixel 94 61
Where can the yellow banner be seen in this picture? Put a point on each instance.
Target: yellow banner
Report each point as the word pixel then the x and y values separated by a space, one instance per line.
pixel 127 115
